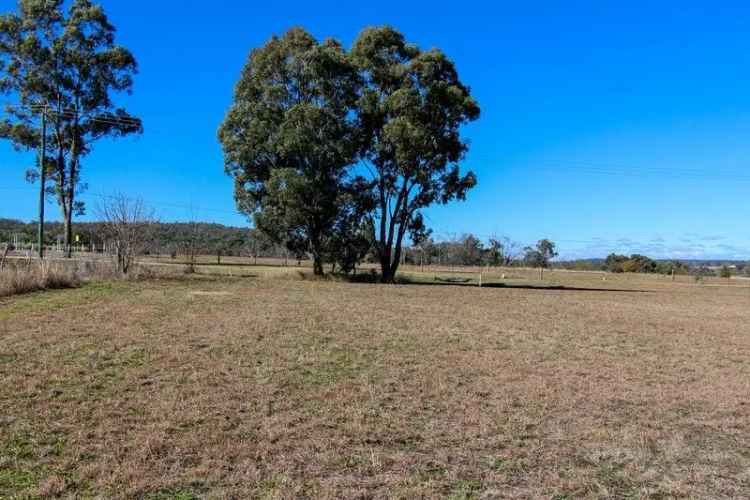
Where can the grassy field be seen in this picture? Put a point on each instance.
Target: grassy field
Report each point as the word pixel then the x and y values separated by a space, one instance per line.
pixel 263 385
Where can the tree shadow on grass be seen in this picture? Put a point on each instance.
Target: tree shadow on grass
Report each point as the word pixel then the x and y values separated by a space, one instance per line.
pixel 176 262
pixel 518 286
pixel 220 276
pixel 372 278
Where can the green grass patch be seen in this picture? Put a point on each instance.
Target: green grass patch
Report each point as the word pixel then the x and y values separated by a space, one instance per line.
pixel 17 448
pixel 13 482
pixel 613 478
pixel 59 299
pixel 329 368
pixel 172 494
pixel 466 490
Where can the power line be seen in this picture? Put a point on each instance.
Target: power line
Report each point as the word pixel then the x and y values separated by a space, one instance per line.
pixel 607 169
pixel 109 119
pixel 615 169
pixel 156 204
pixel 673 174
pixel 627 170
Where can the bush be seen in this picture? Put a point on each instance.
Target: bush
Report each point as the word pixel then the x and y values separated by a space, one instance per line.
pixel 724 272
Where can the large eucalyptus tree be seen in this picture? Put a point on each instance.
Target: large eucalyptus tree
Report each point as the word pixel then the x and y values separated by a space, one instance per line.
pixel 290 138
pixel 411 110
pixel 65 64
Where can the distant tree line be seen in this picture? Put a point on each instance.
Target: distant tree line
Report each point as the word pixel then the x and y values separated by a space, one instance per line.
pixel 164 238
pixel 469 250
pixel 636 263
pixel 466 250
pixel 186 239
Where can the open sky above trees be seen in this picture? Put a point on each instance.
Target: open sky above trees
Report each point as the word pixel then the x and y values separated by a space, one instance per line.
pixel 603 128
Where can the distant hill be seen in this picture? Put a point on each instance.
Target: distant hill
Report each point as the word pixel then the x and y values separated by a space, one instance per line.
pixel 211 237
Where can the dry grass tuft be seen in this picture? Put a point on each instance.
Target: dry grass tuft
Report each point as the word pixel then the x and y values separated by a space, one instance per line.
pixel 32 276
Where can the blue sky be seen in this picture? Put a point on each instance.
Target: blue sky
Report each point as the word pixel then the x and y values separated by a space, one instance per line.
pixel 604 127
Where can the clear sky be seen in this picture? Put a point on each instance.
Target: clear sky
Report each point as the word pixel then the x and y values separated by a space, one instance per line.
pixel 606 126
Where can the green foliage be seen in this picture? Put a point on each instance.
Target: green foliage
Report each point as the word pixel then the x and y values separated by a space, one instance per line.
pixel 349 240
pixel 289 138
pixel 495 252
pixel 472 251
pixel 615 263
pixel 541 254
pixel 701 272
pixel 411 109
pixel 467 250
pixel 166 237
pixel 725 272
pixel 673 266
pixel 305 112
pixel 68 64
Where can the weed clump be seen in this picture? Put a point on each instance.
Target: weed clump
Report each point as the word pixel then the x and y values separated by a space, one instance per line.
pixel 34 276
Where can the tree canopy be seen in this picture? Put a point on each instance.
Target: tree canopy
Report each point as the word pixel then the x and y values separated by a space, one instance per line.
pixel 410 112
pixel 541 254
pixel 289 139
pixel 334 151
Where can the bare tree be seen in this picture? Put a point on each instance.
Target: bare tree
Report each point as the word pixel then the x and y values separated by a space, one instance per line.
pixel 127 226
pixel 511 251
pixel 192 245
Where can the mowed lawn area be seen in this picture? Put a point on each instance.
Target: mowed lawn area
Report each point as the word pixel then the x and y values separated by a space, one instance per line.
pixel 287 388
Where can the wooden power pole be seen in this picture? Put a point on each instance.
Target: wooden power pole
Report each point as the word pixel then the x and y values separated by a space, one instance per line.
pixel 42 180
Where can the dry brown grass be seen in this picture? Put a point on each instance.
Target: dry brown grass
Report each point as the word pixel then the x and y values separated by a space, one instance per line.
pixel 31 276
pixel 265 388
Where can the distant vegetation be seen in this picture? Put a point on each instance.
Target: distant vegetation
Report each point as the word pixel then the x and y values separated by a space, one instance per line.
pixel 636 263
pixel 164 238
pixel 177 238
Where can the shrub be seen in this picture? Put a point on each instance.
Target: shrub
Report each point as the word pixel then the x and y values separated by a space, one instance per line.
pixel 724 272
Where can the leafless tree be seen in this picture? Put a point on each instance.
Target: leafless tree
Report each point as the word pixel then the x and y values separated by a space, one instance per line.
pixel 511 251
pixel 127 226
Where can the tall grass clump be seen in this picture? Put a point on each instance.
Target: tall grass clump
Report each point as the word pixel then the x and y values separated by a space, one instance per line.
pixel 32 276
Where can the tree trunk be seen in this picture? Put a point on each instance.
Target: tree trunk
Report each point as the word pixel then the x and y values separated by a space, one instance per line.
pixel 71 191
pixel 385 266
pixel 386 276
pixel 394 249
pixel 317 265
pixel 68 227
